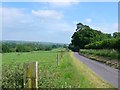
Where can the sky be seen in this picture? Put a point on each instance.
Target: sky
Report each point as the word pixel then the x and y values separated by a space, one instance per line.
pixel 55 21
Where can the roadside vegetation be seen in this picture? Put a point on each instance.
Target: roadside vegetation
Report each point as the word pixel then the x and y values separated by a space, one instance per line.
pixel 108 57
pixel 113 43
pixel 97 45
pixel 70 73
pixel 87 38
pixel 110 54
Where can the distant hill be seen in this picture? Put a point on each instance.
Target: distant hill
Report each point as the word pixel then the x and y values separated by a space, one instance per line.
pixel 27 46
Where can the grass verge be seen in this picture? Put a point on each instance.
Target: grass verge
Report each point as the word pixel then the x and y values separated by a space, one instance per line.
pixel 89 77
pixel 109 57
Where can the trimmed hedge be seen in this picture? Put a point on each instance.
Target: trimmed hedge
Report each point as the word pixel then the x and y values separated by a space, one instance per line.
pixel 113 43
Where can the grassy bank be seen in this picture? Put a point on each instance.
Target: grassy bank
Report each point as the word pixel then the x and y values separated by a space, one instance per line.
pixel 70 73
pixel 109 57
pixel 87 76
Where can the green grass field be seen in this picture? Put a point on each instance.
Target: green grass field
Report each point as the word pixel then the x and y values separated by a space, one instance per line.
pixel 70 73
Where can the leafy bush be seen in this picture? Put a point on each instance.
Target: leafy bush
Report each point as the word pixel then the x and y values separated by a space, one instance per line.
pixel 117 44
pixel 112 54
pixel 12 76
pixel 113 43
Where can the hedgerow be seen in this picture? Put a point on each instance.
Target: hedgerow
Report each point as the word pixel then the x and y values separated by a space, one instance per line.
pixel 113 43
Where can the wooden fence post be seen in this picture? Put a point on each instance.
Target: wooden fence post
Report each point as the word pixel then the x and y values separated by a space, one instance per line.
pixel 57 59
pixel 31 75
pixel 61 54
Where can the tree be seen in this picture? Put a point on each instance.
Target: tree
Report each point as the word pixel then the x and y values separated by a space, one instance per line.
pixel 5 48
pixel 85 35
pixel 116 34
pixel 19 48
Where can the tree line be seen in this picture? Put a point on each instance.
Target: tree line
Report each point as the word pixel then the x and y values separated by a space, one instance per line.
pixel 24 46
pixel 113 43
pixel 87 38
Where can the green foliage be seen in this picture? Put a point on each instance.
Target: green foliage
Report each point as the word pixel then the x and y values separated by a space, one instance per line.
pixel 117 44
pixel 85 35
pixel 20 46
pixel 111 54
pixel 73 48
pixel 113 43
pixel 116 34
pixel 5 48
pixel 12 76
pixel 0 47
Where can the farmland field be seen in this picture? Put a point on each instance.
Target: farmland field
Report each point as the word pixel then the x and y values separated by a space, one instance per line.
pixel 70 73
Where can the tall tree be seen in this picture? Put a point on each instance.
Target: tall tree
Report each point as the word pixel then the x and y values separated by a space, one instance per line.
pixel 116 34
pixel 85 35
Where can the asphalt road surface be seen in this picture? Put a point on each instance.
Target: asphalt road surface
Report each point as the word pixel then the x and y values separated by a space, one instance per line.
pixel 107 73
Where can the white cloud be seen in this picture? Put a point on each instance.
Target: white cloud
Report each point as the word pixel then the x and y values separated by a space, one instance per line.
pixel 63 27
pixel 63 3
pixel 11 12
pixel 88 20
pixel 105 27
pixel 51 14
pixel 76 22
pixel 44 25
pixel 12 15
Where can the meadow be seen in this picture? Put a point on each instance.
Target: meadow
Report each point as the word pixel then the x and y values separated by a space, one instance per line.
pixel 69 73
